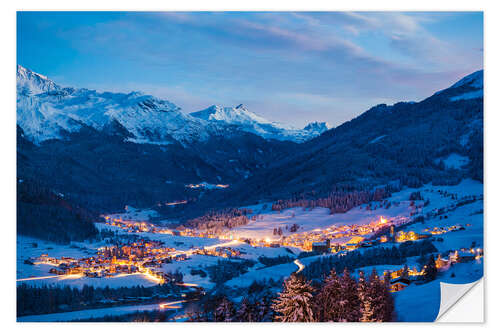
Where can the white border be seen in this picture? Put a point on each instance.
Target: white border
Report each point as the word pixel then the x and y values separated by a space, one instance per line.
pixel 7 141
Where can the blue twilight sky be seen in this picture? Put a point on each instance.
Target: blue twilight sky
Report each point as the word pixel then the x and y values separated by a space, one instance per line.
pixel 288 67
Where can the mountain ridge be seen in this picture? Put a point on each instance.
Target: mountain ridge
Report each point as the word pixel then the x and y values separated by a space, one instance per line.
pixel 248 121
pixel 47 111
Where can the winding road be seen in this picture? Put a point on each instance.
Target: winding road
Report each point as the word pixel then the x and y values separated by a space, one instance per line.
pixel 299 264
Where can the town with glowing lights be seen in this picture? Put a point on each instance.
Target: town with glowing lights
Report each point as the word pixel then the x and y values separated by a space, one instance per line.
pixel 188 263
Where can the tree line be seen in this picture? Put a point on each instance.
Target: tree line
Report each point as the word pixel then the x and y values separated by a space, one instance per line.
pixel 395 255
pixel 335 201
pixel 33 300
pixel 217 220
pixel 44 214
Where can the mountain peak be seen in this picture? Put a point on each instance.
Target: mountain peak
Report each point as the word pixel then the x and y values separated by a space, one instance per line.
pixel 317 127
pixel 238 115
pixel 248 121
pixel 32 83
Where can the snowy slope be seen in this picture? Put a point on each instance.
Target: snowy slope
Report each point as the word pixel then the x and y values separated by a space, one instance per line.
pixel 470 87
pixel 474 80
pixel 248 121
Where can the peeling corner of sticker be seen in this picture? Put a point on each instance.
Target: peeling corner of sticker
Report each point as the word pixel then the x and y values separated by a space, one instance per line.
pixel 451 294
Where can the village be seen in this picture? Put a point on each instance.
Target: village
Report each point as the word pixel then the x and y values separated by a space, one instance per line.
pixel 331 239
pixel 157 251
pixel 142 256
pixel 147 257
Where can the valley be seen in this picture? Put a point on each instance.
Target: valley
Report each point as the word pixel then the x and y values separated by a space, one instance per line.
pixel 128 206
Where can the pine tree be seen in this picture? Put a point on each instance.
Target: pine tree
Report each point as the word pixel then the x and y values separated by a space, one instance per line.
pixel 388 309
pixel 263 309
pixel 327 305
pixel 245 312
pixel 350 302
pixel 365 299
pixel 430 270
pixel 225 311
pixel 375 293
pixel 382 303
pixel 295 302
pixel 405 274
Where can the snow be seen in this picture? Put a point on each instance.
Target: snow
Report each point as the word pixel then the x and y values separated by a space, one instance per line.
pixel 208 186
pixel 276 272
pixel 426 297
pixel 474 80
pixel 455 240
pixel 31 83
pixel 317 127
pixel 178 242
pixel 468 95
pixel 78 281
pixel 253 253
pixel 378 138
pixel 415 303
pixel 454 161
pixel 420 303
pixel 238 115
pixel 319 217
pixel 193 262
pixel 87 314
pixel 248 121
pixel 25 250
pixel 51 110
pixel 133 214
pixel 47 111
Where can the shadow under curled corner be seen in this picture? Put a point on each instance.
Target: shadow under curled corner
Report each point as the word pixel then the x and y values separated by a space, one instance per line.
pixel 461 302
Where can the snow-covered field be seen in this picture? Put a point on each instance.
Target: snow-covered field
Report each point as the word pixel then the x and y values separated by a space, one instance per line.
pixel 178 242
pixel 317 218
pixel 134 214
pixel 88 314
pixel 25 250
pixel 78 281
pixel 276 272
pixel 454 161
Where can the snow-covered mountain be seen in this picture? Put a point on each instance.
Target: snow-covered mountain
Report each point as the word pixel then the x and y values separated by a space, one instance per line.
pixel 31 83
pixel 248 121
pixel 317 128
pixel 47 111
pixel 469 87
pixel 474 80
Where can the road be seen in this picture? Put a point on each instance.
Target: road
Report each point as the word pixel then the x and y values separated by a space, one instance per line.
pixel 299 264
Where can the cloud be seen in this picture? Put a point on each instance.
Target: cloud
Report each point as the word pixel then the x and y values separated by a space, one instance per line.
pixel 329 63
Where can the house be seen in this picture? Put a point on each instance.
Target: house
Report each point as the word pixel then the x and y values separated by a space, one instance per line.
pixel 399 284
pixel 354 242
pixel 321 246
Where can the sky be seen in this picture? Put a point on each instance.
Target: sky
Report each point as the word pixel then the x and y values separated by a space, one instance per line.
pixel 290 67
